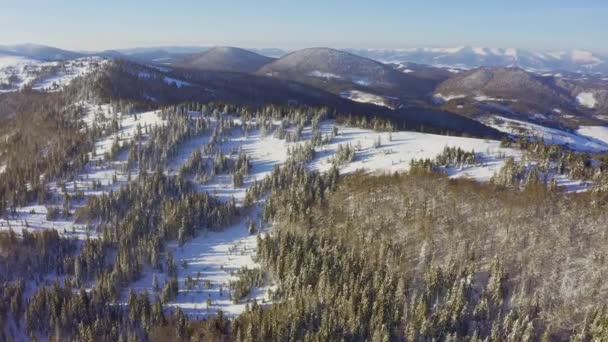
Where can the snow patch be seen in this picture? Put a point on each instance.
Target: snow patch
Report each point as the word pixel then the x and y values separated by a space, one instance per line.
pixel 482 98
pixel 176 82
pixel 362 81
pixel 364 97
pixel 440 98
pixel 511 52
pixel 480 51
pixel 585 57
pixel 397 149
pixel 586 99
pixel 212 260
pixel 599 133
pixel 326 75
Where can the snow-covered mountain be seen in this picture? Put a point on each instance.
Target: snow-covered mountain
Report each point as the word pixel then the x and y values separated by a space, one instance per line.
pixel 548 99
pixel 344 73
pixel 472 57
pixel 331 64
pixel 38 52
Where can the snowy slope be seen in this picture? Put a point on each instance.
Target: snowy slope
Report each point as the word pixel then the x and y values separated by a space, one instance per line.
pixel 577 141
pixel 33 217
pixel 398 148
pixel 365 97
pixel 212 260
pixel 13 61
pixel 213 257
pixel 598 133
pixel 18 72
pixel 472 57
pixel 586 99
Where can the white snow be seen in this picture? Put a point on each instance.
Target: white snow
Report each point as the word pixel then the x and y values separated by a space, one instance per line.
pixel 540 55
pixel 326 75
pixel 575 141
pixel 215 257
pixel 599 133
pixel 510 52
pixel 539 116
pixel 176 82
pixel 557 54
pixel 17 72
pixel 400 65
pixel 586 99
pixel 265 152
pixel 449 50
pixel 365 97
pixel 482 98
pixel 440 98
pixel 398 148
pixel 585 57
pixel 480 51
pixel 33 217
pixel 362 81
pixel 13 61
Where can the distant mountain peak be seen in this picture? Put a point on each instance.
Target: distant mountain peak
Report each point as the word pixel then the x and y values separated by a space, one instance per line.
pixel 39 52
pixel 473 57
pixel 226 58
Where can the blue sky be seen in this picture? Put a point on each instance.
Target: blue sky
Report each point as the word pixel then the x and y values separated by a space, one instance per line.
pixel 96 25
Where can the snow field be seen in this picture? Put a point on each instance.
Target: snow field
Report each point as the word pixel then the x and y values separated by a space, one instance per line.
pixel 582 140
pixel 17 72
pixel 397 149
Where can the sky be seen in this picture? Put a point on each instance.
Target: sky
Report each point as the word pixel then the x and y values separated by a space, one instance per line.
pixel 113 24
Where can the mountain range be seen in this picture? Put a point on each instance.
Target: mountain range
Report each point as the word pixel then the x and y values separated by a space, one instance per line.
pixel 508 82
pixel 38 52
pixel 464 57
pixel 473 57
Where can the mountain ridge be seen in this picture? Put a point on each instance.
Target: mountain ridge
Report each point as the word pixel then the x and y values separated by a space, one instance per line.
pixel 472 57
pixel 226 58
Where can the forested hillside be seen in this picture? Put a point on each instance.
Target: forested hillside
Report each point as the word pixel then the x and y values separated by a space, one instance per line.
pixel 127 216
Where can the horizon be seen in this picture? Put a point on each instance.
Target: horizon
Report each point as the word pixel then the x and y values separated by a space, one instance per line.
pixel 203 47
pixel 540 26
